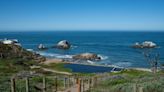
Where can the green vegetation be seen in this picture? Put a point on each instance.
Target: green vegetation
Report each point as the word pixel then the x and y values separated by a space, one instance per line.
pixel 124 82
pixel 13 65
pixel 9 67
pixel 57 66
pixel 36 84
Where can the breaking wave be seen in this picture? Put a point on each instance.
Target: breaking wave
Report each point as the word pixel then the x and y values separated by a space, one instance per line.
pixel 91 62
pixel 123 64
pixel 31 50
pixel 54 55
pixel 73 46
pixel 103 57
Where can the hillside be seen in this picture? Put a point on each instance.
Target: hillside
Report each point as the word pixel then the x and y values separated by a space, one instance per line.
pixel 10 51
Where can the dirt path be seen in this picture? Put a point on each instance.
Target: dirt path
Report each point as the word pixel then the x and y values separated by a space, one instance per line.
pixel 55 71
pixel 76 88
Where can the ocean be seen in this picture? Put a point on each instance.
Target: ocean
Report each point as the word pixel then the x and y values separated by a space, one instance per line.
pixel 114 47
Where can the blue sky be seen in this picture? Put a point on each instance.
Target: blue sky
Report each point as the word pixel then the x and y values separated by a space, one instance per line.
pixel 81 15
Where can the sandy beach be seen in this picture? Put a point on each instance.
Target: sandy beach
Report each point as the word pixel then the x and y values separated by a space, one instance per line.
pixel 54 60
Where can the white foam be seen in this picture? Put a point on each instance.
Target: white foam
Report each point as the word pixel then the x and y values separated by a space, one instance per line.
pixel 103 57
pixel 91 62
pixel 54 55
pixel 123 64
pixel 73 47
pixel 63 56
pixel 30 50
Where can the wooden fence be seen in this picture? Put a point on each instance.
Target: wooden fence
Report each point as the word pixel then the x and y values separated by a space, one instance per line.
pixel 67 84
pixel 62 84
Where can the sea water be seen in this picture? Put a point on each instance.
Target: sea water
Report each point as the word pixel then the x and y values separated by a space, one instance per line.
pixel 113 47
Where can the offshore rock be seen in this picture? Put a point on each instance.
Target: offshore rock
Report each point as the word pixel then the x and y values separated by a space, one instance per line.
pixel 87 56
pixel 64 44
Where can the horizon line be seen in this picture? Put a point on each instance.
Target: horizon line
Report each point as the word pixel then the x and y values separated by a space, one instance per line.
pixel 82 30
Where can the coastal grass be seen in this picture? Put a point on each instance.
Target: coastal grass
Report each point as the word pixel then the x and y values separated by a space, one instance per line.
pixel 36 84
pixel 124 81
pixel 13 65
pixel 10 67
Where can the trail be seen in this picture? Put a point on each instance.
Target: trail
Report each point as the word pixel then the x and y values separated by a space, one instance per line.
pixel 55 71
pixel 77 88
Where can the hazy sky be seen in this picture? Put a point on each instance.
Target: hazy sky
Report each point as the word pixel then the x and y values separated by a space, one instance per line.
pixel 81 15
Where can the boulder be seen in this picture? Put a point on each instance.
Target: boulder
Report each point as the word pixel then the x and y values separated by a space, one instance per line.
pixel 149 44
pixel 87 56
pixel 64 44
pixel 41 47
pixel 145 44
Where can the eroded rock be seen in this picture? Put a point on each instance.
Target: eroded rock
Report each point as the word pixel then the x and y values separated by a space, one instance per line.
pixel 87 56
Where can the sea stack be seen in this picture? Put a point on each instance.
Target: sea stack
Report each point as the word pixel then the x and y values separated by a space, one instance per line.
pixel 145 44
pixel 87 56
pixel 64 44
pixel 41 47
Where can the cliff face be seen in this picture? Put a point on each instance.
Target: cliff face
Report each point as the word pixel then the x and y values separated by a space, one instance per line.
pixel 14 51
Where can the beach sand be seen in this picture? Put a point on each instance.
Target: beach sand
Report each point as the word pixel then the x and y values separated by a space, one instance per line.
pixel 54 60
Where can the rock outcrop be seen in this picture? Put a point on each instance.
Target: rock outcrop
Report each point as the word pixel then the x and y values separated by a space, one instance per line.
pixel 15 51
pixel 87 56
pixel 145 44
pixel 64 44
pixel 42 47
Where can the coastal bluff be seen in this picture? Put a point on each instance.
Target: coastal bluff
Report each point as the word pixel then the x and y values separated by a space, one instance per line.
pixel 11 51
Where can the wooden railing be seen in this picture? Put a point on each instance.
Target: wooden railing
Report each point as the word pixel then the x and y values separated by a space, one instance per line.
pixel 65 84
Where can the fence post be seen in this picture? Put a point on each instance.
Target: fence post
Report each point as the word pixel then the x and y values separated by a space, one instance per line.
pixel 90 82
pixel 77 80
pixel 95 81
pixel 83 82
pixel 140 89
pixel 69 82
pixel 79 85
pixel 135 88
pixel 13 85
pixel 65 82
pixel 27 84
pixel 44 84
pixel 56 84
